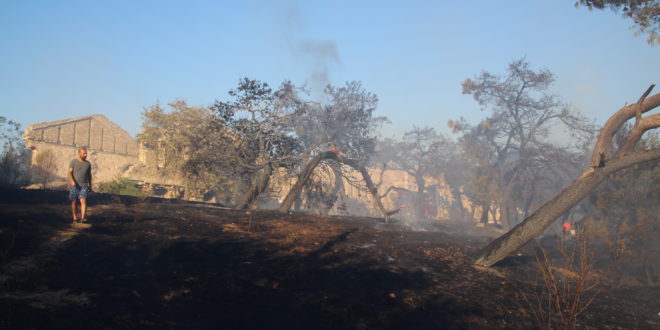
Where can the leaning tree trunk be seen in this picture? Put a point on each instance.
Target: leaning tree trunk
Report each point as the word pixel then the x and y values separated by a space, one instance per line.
pixel 256 187
pixel 309 168
pixel 601 166
pixel 337 189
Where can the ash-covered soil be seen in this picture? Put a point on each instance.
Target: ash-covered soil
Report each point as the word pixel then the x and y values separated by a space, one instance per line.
pixel 166 265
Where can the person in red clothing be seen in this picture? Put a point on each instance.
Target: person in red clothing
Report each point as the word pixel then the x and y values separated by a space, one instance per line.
pixel 567 228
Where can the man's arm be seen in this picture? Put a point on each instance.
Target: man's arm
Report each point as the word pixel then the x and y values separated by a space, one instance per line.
pixel 90 178
pixel 72 182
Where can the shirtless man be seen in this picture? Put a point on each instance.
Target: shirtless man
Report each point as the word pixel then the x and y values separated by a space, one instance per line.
pixel 80 183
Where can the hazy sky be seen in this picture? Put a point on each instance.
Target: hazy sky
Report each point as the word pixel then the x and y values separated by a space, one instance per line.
pixel 61 59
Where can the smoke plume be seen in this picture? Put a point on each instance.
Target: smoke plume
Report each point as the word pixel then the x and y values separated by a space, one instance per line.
pixel 318 56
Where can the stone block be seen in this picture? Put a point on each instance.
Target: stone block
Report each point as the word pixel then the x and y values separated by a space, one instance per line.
pixel 67 132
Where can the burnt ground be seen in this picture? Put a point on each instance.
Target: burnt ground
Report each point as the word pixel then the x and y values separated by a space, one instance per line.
pixel 165 264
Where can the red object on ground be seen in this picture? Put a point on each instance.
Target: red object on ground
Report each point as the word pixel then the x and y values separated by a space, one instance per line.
pixel 566 226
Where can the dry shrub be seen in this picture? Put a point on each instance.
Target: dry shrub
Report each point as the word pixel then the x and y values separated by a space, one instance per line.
pixel 570 280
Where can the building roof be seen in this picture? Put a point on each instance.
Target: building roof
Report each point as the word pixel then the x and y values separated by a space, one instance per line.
pixel 103 120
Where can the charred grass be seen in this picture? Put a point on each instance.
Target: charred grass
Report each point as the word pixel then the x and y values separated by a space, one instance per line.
pixel 160 264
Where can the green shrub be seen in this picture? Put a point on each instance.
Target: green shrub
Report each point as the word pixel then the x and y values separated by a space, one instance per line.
pixel 120 186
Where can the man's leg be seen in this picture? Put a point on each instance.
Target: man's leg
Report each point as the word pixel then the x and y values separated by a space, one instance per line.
pixel 84 189
pixel 73 196
pixel 73 210
pixel 83 208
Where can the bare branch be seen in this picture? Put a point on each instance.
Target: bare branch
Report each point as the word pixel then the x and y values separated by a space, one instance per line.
pixel 641 126
pixel 604 141
pixel 638 113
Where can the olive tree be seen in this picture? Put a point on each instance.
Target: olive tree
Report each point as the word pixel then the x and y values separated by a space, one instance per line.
pixel 176 137
pixel 258 122
pixel 343 121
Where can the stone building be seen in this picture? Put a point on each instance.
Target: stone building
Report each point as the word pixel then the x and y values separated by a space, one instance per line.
pixel 111 150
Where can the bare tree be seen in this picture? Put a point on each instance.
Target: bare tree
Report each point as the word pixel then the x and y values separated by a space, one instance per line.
pixel 605 160
pixel 516 134
pixel 421 153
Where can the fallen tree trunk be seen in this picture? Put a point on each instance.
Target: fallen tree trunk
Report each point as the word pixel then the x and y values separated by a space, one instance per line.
pixel 309 169
pixel 601 166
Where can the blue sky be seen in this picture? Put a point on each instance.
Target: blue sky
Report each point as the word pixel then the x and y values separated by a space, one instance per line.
pixel 61 59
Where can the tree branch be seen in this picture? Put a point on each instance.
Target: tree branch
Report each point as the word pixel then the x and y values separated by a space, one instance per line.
pixel 641 125
pixel 604 141
pixel 638 113
pixel 630 159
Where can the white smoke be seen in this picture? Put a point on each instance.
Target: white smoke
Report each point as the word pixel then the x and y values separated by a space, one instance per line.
pixel 318 56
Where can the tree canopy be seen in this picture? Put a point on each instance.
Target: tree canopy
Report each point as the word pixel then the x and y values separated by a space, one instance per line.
pixel 644 13
pixel 513 143
pixel 343 119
